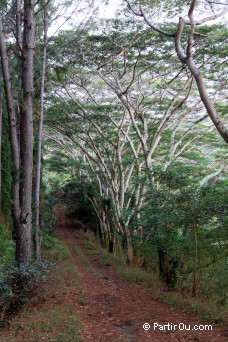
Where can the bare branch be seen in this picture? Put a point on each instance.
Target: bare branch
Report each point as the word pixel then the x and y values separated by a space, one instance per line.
pixel 188 60
pixel 164 33
pixel 192 31
pixel 204 20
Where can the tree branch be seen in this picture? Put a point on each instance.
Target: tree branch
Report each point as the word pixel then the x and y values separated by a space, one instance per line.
pixel 164 33
pixel 215 174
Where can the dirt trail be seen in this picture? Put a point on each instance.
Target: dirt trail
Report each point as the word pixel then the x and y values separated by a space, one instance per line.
pixel 115 311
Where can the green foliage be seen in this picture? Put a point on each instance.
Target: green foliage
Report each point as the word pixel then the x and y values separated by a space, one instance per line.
pixel 7 247
pixel 16 283
pixel 51 196
pixel 18 278
pixel 49 241
pixel 53 249
pixel 179 200
pixel 5 173
pixel 46 211
pixel 168 220
pixel 54 246
pixel 78 195
pixel 222 109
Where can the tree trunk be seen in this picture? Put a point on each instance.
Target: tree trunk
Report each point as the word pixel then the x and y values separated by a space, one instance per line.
pixel 163 259
pixel 18 37
pixel 195 259
pixel 129 248
pixel 24 251
pixel 111 246
pixel 37 239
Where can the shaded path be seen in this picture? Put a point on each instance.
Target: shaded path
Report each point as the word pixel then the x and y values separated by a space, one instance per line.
pixel 114 311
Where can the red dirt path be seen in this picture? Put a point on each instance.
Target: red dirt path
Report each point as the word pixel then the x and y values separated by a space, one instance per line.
pixel 115 311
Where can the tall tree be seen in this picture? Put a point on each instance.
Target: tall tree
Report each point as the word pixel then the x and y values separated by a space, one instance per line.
pixel 39 140
pixel 22 144
pixel 26 134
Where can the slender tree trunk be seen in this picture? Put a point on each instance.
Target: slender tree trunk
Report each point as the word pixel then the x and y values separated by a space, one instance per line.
pixel 24 253
pixel 129 249
pixel 37 239
pixel 18 37
pixel 195 260
pixel 164 264
pixel 18 26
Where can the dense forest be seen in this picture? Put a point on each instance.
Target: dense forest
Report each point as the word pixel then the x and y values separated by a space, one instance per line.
pixel 122 120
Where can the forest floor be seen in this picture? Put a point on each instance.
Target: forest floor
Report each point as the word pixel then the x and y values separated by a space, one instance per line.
pixel 108 308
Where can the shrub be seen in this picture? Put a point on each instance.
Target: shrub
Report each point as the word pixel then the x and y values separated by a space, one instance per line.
pixel 17 284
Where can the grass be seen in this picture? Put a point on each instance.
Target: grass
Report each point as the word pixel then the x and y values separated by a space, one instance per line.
pixel 53 249
pixel 85 261
pixel 131 275
pixel 53 315
pixel 207 310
